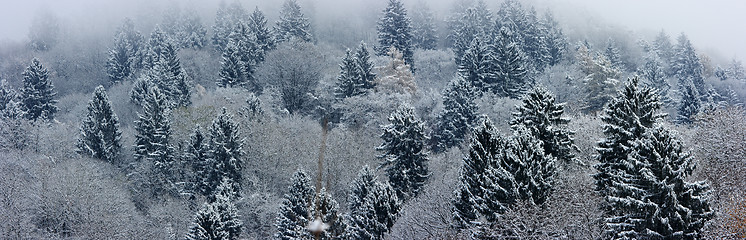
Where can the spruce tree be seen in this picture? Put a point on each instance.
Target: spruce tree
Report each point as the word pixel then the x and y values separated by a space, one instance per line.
pixel 156 44
pixel 475 22
pixel 140 89
pixel 348 84
pixel 231 67
pixel 686 63
pixel 478 66
pixel 424 32
pixel 663 47
pixel 535 169
pixel 327 212
pixel 135 42
pixel 217 219
pixel 224 158
pixel 119 65
pixel 296 209
pixel 8 100
pixel 365 65
pixel 511 63
pixel 625 119
pixel 534 42
pixel 192 33
pixel 612 53
pixel 168 75
pixel 556 39
pixel 458 116
pixel 264 42
pixel 404 156
pixel 226 19
pixel 153 133
pixel 654 200
pixel 394 30
pixel 196 156
pixel 99 133
pixel 542 116
pixel 37 94
pixel 690 102
pixel 373 207
pixel 292 24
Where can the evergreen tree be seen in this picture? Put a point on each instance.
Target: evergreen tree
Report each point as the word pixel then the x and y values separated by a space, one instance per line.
pixel 534 43
pixel 231 68
pixel 218 219
pixel 119 65
pixel 475 22
pixel 153 133
pixel 224 156
pixel 612 53
pixel 556 39
pixel 458 116
pixel 140 89
pixel 654 201
pixel 542 116
pixel 690 102
pixel 134 41
pixel 264 42
pixel 292 23
pixel 600 80
pixel 373 207
pixel 404 154
pixel 156 44
pixel 686 63
pixel 196 156
pixel 170 77
pixel 99 133
pixel 511 63
pixel 349 83
pixel 736 70
pixel 663 47
pixel 478 65
pixel 327 212
pixel 239 60
pixel 536 170
pixel 362 58
pixel 394 30
pixel 225 20
pixel 37 93
pixel 192 33
pixel 296 209
pixel 8 100
pixel 424 32
pixel 625 119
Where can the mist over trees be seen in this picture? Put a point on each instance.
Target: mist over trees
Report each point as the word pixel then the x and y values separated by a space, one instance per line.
pixel 398 119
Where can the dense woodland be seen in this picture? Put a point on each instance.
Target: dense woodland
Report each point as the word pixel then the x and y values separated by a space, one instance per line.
pixel 302 119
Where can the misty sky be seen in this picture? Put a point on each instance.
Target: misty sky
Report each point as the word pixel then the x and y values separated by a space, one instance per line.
pixel 714 26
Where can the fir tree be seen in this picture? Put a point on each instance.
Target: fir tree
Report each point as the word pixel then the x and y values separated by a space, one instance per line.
pixel 424 35
pixel 663 47
pixel 196 156
pixel 119 65
pixel 690 102
pixel 511 63
pixel 654 201
pixel 394 30
pixel 140 89
pixel 192 33
pixel 225 155
pixel 373 207
pixel 225 20
pixel 168 75
pixel 327 213
pixel 542 116
pixel 99 133
pixel 458 115
pixel 8 100
pixel 362 58
pixel 153 133
pixel 296 209
pixel 475 22
pixel 686 63
pixel 37 94
pixel 231 67
pixel 348 80
pixel 156 44
pixel 612 53
pixel 535 170
pixel 534 43
pixel 218 219
pixel 292 23
pixel 264 42
pixel 135 42
pixel 556 39
pixel 478 65
pixel 625 119
pixel 404 154
pixel 736 70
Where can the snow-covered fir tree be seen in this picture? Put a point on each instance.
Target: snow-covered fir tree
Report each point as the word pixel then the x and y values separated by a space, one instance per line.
pixel 690 104
pixel 458 116
pixel 736 71
pixel 373 207
pixel 264 42
pixel 119 65
pixel 475 22
pixel 686 64
pixel 542 116
pixel 329 223
pixel 536 169
pixel 155 47
pixel 478 65
pixel 663 47
pixel 135 42
pixel 653 200
pixel 153 133
pixel 626 118
pixel 253 109
pixel 348 83
pixel 556 40
pixel 424 31
pixel 404 156
pixel 231 67
pixel 534 43
pixel 140 89
pixel 224 155
pixel 99 133
pixel 292 24
pixel 37 94
pixel 303 207
pixel 195 154
pixel 170 77
pixel 611 52
pixel 218 219
pixel 395 30
pixel 226 18
pixel 512 74
pixel 365 65
pixel 192 34
pixel 600 80
pixel 239 60
pixel 9 101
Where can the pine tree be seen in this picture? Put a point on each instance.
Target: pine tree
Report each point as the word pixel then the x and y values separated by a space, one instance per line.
pixel 292 23
pixel 536 170
pixel 556 39
pixel 140 89
pixel 475 22
pixel 37 93
pixel 119 65
pixel 654 201
pixel 218 219
pixel 348 84
pixel 686 63
pixel 373 207
pixel 625 119
pixel 394 30
pixel 296 209
pixel 542 116
pixel 690 102
pixel 225 155
pixel 478 66
pixel 231 67
pixel 404 154
pixel 362 58
pixel 612 53
pixel 424 32
pixel 239 60
pixel 458 116
pixel 225 20
pixel 99 133
pixel 192 33
pixel 264 42
pixel 511 63
pixel 156 44
pixel 153 133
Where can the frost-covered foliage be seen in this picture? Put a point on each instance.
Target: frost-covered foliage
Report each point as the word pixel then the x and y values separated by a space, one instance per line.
pixel 686 63
pixel 424 30
pixel 458 116
pixel 396 76
pixel 600 79
pixel 356 75
pixel 403 152
pixel 293 24
pixel 294 69
pixel 37 94
pixel 542 116
pixel 153 137
pixel 226 18
pixel 373 207
pixel 222 155
pixel 218 219
pixel 100 136
pixel 395 31
pixel 303 207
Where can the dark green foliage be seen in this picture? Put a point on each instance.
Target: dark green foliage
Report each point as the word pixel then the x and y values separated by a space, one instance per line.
pixel 348 79
pixel 37 94
pixel 373 207
pixel 224 157
pixel 478 66
pixel 140 89
pixel 458 115
pixel 395 30
pixel 403 147
pixel 292 24
pixel 556 39
pixel 302 205
pixel 219 219
pixel 99 133
pixel 535 174
pixel 687 65
pixel 542 116
pixel 512 73
pixel 156 44
pixel 690 102
pixel 192 34
pixel 232 72
pixel 264 42
pixel 475 22
pixel 120 62
pixel 612 53
pixel 153 133
pixel 365 65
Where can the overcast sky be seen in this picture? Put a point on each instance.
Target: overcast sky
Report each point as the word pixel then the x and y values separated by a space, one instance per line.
pixel 714 26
